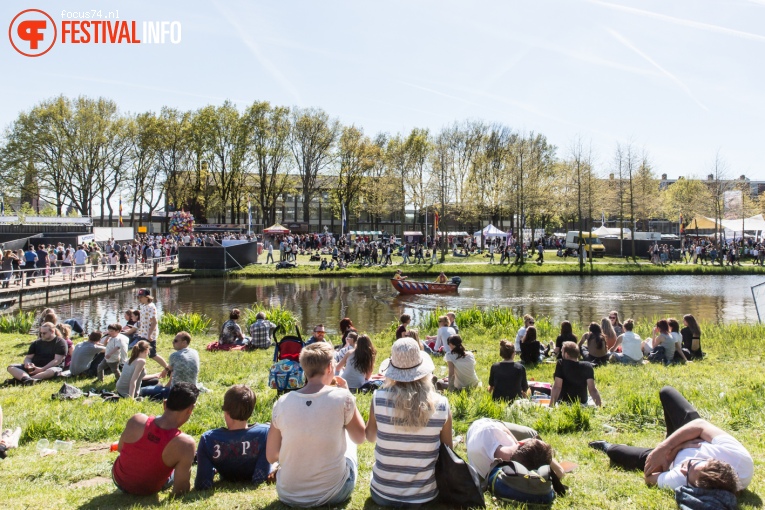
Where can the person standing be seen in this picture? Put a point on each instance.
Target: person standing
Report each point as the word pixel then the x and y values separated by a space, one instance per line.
pixel 148 325
pixel 30 258
pixel 270 249
pixel 80 259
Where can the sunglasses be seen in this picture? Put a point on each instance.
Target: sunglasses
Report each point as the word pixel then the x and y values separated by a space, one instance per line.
pixel 692 463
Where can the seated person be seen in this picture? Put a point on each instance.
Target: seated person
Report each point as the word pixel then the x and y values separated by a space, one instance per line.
pixel 230 332
pixel 441 278
pixel 507 379
pixel 350 344
pixel 323 265
pixel 131 319
pixel 440 342
pixel 8 439
pixel 398 275
pixel 237 451
pixel 358 364
pixel 261 331
pixel 116 351
pixel 402 332
pixel 531 349
pixel 491 442
pixel 330 409
pixel 694 453
pixel 573 378
pixel 461 367
pixel 631 344
pixel 65 332
pixel 154 453
pixel 318 334
pixel 129 383
pixel 183 366
pixel 87 355
pixel 44 359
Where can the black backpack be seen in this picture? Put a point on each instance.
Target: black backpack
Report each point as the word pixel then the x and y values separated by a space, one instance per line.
pixel 459 486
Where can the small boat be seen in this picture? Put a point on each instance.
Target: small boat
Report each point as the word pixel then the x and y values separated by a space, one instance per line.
pixel 412 287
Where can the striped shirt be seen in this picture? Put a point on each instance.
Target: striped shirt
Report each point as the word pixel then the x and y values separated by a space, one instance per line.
pixel 405 459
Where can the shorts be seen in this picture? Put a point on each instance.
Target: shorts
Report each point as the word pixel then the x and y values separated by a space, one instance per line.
pixel 56 370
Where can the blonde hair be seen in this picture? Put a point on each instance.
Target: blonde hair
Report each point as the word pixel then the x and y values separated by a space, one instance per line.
pixel 608 328
pixel 413 402
pixel 314 358
pixel 65 330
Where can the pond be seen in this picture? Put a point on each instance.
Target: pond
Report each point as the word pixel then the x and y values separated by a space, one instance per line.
pixel 373 304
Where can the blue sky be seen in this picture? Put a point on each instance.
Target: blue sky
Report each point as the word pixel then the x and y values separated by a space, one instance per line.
pixel 681 79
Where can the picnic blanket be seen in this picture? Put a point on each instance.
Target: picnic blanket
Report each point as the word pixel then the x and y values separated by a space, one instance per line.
pixel 215 346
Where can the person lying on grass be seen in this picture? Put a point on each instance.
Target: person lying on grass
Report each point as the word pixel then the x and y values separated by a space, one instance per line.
pixel 238 450
pixel 490 442
pixel 695 452
pixel 44 358
pixel 154 453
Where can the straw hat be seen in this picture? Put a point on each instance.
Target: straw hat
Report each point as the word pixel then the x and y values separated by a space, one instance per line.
pixel 407 362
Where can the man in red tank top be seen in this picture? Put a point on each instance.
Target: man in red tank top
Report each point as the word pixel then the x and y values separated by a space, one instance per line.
pixel 154 453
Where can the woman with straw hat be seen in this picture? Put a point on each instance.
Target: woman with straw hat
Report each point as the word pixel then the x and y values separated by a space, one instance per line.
pixel 409 420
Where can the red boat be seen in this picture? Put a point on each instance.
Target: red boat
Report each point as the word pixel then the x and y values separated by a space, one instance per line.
pixel 412 287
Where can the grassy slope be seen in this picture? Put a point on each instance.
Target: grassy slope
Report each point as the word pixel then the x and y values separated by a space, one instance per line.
pixel 478 265
pixel 727 388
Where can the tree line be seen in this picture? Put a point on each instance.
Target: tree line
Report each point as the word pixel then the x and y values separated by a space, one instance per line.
pixel 83 153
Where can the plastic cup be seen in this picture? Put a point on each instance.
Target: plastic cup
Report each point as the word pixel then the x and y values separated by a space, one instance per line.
pixel 42 445
pixel 61 446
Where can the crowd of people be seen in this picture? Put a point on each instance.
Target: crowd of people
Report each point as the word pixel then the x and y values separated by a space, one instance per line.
pixel 409 415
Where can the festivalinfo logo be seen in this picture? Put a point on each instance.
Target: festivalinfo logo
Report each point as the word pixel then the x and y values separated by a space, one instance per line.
pixel 34 32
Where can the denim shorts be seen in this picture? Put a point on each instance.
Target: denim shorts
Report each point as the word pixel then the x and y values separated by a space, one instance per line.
pixel 350 483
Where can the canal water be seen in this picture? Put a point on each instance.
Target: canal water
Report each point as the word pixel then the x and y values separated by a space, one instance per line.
pixel 373 304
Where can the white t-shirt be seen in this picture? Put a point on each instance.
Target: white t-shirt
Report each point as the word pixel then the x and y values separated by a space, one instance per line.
pixel 518 338
pixel 442 336
pixel 464 370
pixel 632 345
pixel 723 447
pixel 121 343
pixel 483 438
pixel 312 453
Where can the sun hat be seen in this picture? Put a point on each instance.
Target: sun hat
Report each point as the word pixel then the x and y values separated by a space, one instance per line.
pixel 407 362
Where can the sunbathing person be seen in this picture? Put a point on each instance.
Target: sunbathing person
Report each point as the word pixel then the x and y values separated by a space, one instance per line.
pixel 44 359
pixel 695 452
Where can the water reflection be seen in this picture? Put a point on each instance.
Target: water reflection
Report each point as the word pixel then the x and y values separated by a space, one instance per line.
pixel 373 304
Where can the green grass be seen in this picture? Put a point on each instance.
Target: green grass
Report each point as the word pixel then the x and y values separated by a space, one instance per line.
pixel 478 265
pixel 193 323
pixel 727 388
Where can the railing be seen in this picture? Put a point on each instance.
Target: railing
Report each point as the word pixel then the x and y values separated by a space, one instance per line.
pixel 26 277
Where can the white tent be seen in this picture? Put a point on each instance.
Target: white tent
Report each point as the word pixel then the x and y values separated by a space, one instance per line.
pixel 605 231
pixel 490 231
pixel 754 223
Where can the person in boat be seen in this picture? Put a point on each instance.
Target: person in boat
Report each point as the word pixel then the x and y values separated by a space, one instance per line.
pixel 399 275
pixel 441 278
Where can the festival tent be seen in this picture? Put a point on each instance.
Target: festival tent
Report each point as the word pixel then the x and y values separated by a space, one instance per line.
pixel 605 231
pixel 754 223
pixel 490 231
pixel 276 229
pixel 701 223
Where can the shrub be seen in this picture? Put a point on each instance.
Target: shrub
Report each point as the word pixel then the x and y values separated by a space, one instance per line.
pixel 20 322
pixel 283 318
pixel 190 322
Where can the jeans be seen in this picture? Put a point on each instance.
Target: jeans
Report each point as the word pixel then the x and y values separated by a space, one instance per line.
pixel 157 392
pixel 624 359
pixel 677 412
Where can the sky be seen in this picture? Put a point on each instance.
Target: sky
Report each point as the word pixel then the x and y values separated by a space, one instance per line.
pixel 681 80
